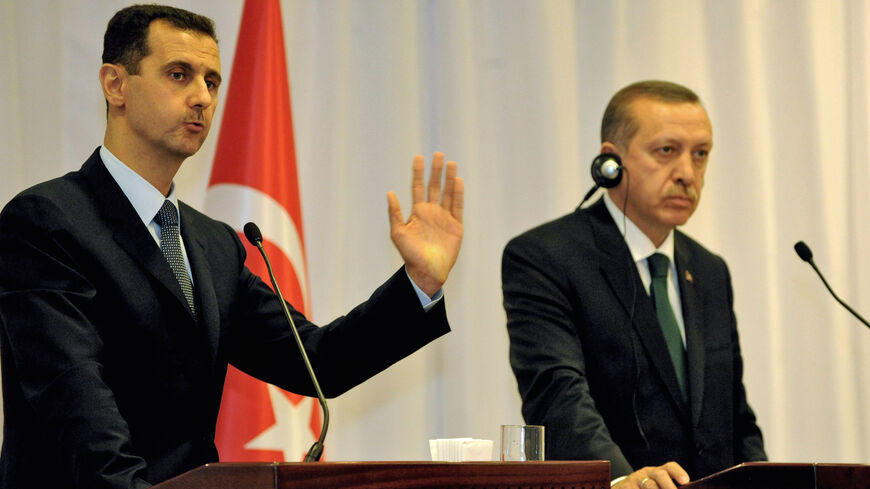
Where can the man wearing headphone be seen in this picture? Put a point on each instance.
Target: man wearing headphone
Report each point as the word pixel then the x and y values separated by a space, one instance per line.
pixel 623 337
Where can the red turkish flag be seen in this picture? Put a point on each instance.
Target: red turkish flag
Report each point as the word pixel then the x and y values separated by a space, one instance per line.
pixel 254 179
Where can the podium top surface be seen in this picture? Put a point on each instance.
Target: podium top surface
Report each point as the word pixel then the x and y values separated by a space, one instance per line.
pixel 395 475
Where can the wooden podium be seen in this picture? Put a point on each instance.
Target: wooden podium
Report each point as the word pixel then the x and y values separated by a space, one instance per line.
pixel 395 475
pixel 765 475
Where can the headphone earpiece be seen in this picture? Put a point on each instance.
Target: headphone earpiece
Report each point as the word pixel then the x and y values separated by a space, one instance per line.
pixel 607 170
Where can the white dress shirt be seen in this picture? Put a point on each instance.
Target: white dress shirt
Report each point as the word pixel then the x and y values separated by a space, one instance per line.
pixel 641 248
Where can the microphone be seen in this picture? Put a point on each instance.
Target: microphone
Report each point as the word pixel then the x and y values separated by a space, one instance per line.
pixel 806 255
pixel 252 232
pixel 804 252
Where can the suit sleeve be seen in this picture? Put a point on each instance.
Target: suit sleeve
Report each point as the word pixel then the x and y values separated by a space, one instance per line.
pixel 54 351
pixel 748 441
pixel 387 327
pixel 546 355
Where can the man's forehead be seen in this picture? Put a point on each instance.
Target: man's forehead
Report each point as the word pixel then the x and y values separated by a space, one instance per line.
pixel 653 114
pixel 168 41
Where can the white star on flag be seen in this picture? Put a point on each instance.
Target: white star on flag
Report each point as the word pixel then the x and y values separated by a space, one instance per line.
pixel 285 434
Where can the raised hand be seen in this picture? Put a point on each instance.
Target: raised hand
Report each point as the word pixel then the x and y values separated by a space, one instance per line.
pixel 429 240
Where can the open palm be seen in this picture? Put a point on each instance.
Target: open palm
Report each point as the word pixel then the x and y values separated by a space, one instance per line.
pixel 429 240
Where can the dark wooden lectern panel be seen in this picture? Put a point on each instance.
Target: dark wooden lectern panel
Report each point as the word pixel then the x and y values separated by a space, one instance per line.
pixel 835 476
pixel 766 475
pixel 396 475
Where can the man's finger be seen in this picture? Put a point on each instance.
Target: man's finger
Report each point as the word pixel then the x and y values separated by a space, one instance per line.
pixel 449 177
pixel 417 188
pixel 458 196
pixel 434 193
pixel 663 477
pixel 394 211
pixel 676 472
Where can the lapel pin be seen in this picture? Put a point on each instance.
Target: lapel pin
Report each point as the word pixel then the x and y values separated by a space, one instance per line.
pixel 689 277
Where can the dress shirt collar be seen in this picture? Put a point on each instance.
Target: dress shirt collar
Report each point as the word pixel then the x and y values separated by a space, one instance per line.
pixel 639 244
pixel 146 199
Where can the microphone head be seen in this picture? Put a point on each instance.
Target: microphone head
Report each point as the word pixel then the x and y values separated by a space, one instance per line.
pixel 803 251
pixel 252 232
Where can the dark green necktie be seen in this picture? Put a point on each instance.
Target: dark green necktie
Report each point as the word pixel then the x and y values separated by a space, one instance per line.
pixel 658 269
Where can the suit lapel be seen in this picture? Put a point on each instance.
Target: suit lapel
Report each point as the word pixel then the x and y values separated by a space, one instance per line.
pixel 624 281
pixel 692 321
pixel 203 283
pixel 620 271
pixel 128 231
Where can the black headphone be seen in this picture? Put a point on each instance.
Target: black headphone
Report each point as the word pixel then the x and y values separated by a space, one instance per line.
pixel 606 172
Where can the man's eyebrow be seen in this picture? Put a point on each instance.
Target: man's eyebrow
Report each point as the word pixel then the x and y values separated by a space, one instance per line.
pixel 177 62
pixel 671 139
pixel 214 74
pixel 189 67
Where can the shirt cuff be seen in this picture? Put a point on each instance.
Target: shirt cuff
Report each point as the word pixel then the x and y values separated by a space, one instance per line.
pixel 617 480
pixel 425 301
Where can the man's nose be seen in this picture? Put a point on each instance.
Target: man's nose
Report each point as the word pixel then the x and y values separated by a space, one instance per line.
pixel 201 96
pixel 684 170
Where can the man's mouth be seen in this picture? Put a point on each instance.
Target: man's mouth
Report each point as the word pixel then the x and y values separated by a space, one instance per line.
pixel 681 198
pixel 688 194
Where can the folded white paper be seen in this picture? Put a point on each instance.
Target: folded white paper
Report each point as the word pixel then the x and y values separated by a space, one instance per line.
pixel 460 450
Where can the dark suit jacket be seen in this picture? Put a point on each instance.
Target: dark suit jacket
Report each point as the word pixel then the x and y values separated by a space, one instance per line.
pixel 108 381
pixel 591 361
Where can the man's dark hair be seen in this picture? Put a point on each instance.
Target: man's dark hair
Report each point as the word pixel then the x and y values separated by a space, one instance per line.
pixel 126 39
pixel 618 124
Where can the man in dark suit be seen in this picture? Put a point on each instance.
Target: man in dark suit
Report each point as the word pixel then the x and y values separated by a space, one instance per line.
pixel 622 332
pixel 121 307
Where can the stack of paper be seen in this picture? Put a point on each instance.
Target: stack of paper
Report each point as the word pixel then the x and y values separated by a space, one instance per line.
pixel 460 450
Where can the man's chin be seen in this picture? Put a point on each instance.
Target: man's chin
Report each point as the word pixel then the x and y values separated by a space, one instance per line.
pixel 679 220
pixel 676 217
pixel 187 151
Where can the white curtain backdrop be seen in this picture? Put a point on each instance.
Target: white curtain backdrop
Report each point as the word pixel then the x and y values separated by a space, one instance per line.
pixel 514 91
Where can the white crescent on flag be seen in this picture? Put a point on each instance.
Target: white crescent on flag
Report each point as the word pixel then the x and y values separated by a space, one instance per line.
pixel 237 205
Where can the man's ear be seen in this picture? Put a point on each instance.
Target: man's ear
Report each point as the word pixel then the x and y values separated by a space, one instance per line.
pixel 113 79
pixel 608 147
